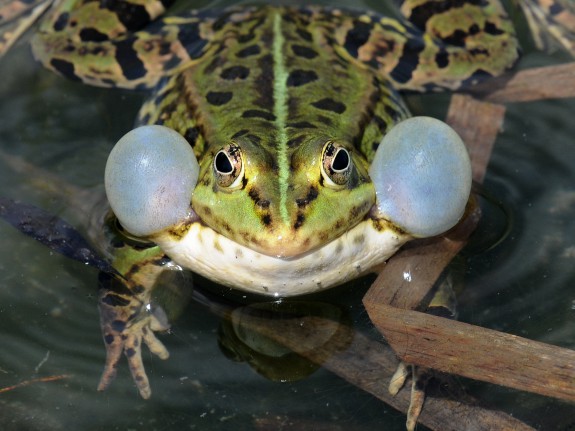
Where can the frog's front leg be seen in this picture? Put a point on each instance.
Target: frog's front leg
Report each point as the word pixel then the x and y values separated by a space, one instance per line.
pixel 127 316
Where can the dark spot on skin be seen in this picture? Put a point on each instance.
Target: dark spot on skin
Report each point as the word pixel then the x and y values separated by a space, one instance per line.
pixel 299 77
pixel 357 37
pixel 457 38
pixel 108 338
pixel 249 51
pixel 381 123
pixel 132 15
pixel 220 23
pixel 61 22
pixel 420 14
pixel 304 51
pixel 478 76
pixel 266 219
pixel 299 221
pixel 219 98
pixel 191 135
pixel 213 65
pixel 241 133
pixel 130 352
pixel 138 288
pixel 244 38
pixel 235 72
pixel 328 104
pixel 255 196
pixel 442 59
pixel 312 195
pixel 325 120
pixel 92 35
pixel 491 28
pixel 165 48
pixel 294 142
pixel 114 300
pixel 408 61
pixel 395 115
pixel 118 325
pixel 189 36
pixel 131 65
pixel 64 68
pixel 555 8
pixel 301 125
pixel 256 113
pixel 304 34
pixel 172 63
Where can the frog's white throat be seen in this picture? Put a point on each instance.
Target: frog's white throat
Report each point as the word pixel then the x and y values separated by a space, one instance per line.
pixel 212 255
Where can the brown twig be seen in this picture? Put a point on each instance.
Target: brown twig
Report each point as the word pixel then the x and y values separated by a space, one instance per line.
pixel 551 82
pixel 33 381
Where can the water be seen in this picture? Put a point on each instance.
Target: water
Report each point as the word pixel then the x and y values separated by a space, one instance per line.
pixel 49 321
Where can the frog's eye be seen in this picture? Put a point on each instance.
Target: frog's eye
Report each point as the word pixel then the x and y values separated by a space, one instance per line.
pixel 228 167
pixel 336 164
pixel 150 176
pixel 422 176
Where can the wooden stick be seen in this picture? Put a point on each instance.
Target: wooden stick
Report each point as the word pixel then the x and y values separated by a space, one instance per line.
pixel 478 353
pixel 478 123
pixel 369 365
pixel 452 346
pixel 551 82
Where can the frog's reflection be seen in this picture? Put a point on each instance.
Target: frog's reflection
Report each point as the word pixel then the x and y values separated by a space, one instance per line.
pixel 259 334
pixel 283 340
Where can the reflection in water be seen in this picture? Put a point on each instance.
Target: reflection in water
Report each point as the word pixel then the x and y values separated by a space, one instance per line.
pixel 252 334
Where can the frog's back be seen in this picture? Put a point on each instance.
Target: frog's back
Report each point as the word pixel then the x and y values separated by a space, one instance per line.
pixel 277 75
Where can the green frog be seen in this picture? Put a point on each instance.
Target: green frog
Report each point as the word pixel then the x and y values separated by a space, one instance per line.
pixel 275 154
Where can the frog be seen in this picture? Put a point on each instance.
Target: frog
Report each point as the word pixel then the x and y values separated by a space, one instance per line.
pixel 275 154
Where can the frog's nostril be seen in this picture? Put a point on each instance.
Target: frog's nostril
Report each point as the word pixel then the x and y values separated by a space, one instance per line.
pixel 422 176
pixel 150 176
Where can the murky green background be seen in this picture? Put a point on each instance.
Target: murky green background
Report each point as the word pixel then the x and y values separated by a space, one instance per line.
pixel 49 323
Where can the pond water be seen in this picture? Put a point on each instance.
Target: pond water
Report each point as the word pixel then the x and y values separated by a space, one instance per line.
pixel 49 323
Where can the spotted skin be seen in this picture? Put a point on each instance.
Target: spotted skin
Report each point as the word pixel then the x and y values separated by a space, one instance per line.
pixel 265 95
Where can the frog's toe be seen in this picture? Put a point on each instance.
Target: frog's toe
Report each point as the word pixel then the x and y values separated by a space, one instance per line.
pixel 154 344
pixel 133 351
pixel 114 348
pixel 419 376
pixel 398 379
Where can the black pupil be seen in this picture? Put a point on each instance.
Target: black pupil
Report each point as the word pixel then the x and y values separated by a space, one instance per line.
pixel 223 164
pixel 341 161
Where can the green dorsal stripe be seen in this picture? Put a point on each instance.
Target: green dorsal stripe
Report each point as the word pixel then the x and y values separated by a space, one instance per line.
pixel 280 112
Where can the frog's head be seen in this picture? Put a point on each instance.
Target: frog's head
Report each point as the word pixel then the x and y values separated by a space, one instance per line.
pixel 283 204
pixel 288 204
